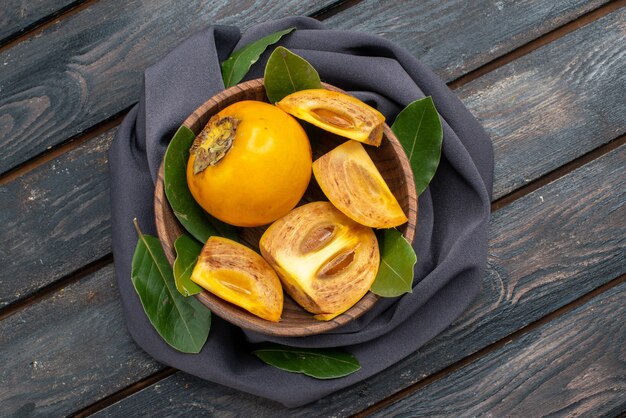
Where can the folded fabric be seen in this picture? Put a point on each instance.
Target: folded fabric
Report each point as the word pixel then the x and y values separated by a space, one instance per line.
pixel 451 239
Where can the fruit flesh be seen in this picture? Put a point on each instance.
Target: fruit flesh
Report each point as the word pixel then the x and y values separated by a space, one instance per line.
pixel 351 181
pixel 264 172
pixel 336 112
pixel 325 260
pixel 240 276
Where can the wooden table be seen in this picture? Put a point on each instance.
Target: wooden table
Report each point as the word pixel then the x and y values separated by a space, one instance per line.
pixel 547 79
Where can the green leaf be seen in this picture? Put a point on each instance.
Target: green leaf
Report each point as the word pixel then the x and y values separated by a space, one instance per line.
pixel 321 363
pixel 397 258
pixel 191 216
pixel 187 252
pixel 182 322
pixel 286 73
pixel 238 64
pixel 418 129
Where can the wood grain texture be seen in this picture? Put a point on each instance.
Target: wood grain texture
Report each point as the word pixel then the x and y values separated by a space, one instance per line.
pixel 454 37
pixel 511 160
pixel 570 95
pixel 572 366
pixel 547 249
pixel 89 67
pixel 68 350
pixel 16 16
pixel 55 219
pixel 515 290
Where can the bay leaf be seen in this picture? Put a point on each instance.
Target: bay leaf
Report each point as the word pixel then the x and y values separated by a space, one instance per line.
pixel 192 217
pixel 397 259
pixel 182 322
pixel 237 65
pixel 418 128
pixel 187 252
pixel 320 363
pixel 286 73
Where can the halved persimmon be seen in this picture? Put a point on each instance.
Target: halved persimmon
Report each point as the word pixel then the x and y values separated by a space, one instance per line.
pixel 336 112
pixel 325 260
pixel 240 276
pixel 351 181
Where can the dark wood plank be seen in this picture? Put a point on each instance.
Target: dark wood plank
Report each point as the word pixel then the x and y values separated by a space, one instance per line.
pixel 572 366
pixel 547 249
pixel 87 163
pixel 16 16
pixel 570 96
pixel 456 37
pixel 68 350
pixel 59 84
pixel 89 67
pixel 55 219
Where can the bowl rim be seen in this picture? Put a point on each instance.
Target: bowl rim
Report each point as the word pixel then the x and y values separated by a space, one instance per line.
pixel 168 229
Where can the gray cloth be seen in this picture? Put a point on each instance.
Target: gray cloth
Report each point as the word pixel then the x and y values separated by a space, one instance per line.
pixel 451 243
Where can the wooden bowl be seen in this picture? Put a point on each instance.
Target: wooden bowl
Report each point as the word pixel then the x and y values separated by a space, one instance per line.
pixel 391 161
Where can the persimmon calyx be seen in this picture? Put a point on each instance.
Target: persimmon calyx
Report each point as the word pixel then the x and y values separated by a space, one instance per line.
pixel 213 143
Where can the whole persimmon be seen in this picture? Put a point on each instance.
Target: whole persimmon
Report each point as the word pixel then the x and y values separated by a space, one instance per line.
pixel 250 165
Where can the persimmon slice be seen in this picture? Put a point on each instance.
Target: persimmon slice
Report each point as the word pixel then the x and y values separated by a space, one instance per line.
pixel 336 112
pixel 325 261
pixel 240 276
pixel 351 181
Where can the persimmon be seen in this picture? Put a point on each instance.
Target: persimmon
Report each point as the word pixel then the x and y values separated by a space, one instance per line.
pixel 348 177
pixel 250 165
pixel 336 112
pixel 325 260
pixel 240 276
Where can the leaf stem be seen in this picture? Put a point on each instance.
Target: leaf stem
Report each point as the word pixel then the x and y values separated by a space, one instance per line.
pixel 136 224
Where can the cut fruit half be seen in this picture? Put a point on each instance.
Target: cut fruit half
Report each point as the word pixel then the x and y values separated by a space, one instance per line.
pixel 240 276
pixel 325 260
pixel 348 177
pixel 336 112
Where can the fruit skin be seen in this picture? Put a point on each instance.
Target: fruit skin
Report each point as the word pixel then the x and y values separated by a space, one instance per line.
pixel 348 177
pixel 265 172
pixel 336 112
pixel 325 261
pixel 240 276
